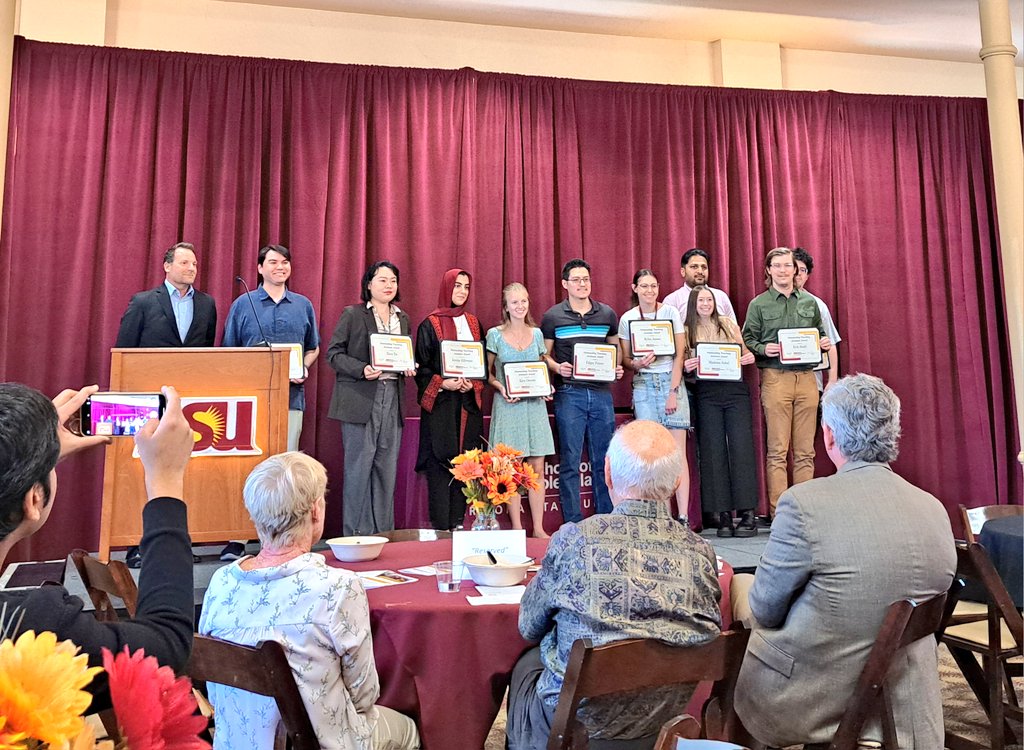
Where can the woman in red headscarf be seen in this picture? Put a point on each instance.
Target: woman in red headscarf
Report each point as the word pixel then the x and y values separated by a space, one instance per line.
pixel 451 419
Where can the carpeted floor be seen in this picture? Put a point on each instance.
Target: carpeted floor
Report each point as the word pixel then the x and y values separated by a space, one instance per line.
pixel 962 713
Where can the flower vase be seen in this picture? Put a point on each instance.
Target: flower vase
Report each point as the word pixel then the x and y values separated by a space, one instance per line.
pixel 486 519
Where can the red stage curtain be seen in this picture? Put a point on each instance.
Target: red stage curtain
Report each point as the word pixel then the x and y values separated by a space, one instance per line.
pixel 115 154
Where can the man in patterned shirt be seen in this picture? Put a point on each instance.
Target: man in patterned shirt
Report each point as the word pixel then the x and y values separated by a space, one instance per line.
pixel 633 573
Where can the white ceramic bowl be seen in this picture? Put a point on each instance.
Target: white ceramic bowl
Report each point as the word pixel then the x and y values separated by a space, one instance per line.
pixel 508 572
pixel 357 548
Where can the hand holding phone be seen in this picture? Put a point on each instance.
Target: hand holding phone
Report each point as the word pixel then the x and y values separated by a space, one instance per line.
pixel 165 448
pixel 120 414
pixel 68 404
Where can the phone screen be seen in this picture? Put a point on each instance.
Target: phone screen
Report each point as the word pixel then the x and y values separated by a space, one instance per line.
pixel 117 414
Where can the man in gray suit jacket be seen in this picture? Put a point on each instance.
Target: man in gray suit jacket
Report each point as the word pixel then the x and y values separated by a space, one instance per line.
pixel 842 549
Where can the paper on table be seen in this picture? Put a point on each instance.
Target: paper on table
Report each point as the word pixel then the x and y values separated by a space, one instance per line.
pixel 374 579
pixel 422 570
pixel 497 595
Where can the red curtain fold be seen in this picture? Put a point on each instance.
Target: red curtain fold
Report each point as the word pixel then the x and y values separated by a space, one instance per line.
pixel 115 154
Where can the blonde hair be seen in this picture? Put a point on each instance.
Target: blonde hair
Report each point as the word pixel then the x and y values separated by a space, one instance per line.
pixel 515 286
pixel 279 494
pixel 775 253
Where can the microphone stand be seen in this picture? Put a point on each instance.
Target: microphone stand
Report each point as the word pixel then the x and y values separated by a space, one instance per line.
pixel 248 295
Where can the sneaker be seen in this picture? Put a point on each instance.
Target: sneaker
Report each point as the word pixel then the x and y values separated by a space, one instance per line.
pixel 232 551
pixel 747 527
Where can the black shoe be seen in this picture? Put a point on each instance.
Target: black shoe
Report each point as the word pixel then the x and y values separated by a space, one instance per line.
pixel 725 524
pixel 232 551
pixel 747 526
pixel 133 557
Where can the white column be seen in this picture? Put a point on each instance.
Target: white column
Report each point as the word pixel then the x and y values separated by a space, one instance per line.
pixel 998 53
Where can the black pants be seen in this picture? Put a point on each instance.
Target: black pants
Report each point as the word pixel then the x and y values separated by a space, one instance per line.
pixel 725 435
pixel 445 501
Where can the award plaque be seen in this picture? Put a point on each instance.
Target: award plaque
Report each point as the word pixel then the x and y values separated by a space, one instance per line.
pixel 799 346
pixel 594 362
pixel 463 359
pixel 652 337
pixel 527 380
pixel 391 353
pixel 296 368
pixel 719 361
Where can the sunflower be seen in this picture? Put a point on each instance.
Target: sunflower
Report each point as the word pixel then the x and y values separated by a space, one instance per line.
pixel 41 683
pixel 10 740
pixel 527 477
pixel 501 488
pixel 471 455
pixel 467 471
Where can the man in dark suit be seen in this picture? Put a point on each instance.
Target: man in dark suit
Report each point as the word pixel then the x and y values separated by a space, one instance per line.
pixel 173 314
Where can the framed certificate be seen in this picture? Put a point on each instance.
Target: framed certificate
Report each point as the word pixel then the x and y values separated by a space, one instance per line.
pixel 392 353
pixel 652 337
pixel 719 361
pixel 527 380
pixel 824 363
pixel 594 362
pixel 296 369
pixel 799 346
pixel 463 359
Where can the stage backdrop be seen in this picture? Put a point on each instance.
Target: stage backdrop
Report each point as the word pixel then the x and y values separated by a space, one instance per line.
pixel 115 154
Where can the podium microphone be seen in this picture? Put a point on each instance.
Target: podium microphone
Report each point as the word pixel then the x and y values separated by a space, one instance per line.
pixel 248 294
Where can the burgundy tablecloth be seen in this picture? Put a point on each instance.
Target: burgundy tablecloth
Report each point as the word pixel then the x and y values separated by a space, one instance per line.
pixel 441 660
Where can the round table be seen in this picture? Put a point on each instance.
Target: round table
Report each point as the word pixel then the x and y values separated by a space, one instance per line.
pixel 441 660
pixel 1003 540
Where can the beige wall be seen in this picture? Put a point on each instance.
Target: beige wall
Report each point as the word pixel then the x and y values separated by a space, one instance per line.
pixel 238 28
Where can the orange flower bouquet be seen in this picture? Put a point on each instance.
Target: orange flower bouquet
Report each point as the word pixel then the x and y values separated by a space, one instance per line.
pixel 492 478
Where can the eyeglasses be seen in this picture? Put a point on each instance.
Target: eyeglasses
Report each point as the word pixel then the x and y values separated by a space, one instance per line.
pixel 647 287
pixel 781 266
pixel 800 270
pixel 580 280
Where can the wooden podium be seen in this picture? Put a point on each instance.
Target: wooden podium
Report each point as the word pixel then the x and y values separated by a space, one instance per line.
pixel 237 403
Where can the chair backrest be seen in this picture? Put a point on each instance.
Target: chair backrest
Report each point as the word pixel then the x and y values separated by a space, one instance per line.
pixel 263 670
pixel 905 622
pixel 973 563
pixel 414 535
pixel 974 518
pixel 634 665
pixel 103 580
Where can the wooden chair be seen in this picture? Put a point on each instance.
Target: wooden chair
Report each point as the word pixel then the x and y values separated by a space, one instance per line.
pixel 996 639
pixel 415 535
pixel 905 622
pixel 263 670
pixel 634 665
pixel 974 518
pixel 679 733
pixel 103 580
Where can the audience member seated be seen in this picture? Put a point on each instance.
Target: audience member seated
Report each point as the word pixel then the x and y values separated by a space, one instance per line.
pixel 633 573
pixel 842 549
pixel 319 614
pixel 34 437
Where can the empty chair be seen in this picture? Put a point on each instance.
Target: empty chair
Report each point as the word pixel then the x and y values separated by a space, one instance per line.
pixel 103 580
pixel 638 665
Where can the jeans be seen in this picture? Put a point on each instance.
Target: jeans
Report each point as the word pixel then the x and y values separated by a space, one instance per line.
pixel 583 413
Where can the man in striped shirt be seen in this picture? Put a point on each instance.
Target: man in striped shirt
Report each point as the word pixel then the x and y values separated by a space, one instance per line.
pixel 583 407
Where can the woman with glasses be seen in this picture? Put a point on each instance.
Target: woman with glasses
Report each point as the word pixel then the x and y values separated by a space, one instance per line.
pixel 725 433
pixel 450 418
pixel 368 402
pixel 520 423
pixel 657 378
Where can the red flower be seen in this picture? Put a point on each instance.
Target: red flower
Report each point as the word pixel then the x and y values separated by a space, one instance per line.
pixel 155 710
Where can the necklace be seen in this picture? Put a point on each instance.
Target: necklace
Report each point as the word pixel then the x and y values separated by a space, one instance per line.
pixel 518 340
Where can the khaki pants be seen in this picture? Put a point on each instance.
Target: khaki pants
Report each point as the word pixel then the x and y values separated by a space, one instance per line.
pixel 790 402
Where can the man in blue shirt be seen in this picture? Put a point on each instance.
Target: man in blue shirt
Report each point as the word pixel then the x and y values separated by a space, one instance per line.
pixel 285 317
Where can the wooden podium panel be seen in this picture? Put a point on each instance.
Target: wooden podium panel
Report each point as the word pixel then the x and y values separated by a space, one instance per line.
pixel 233 389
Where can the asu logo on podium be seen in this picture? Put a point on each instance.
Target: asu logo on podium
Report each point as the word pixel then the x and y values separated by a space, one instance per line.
pixel 223 425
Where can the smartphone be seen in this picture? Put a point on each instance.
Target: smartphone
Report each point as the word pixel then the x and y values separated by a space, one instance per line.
pixel 120 414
